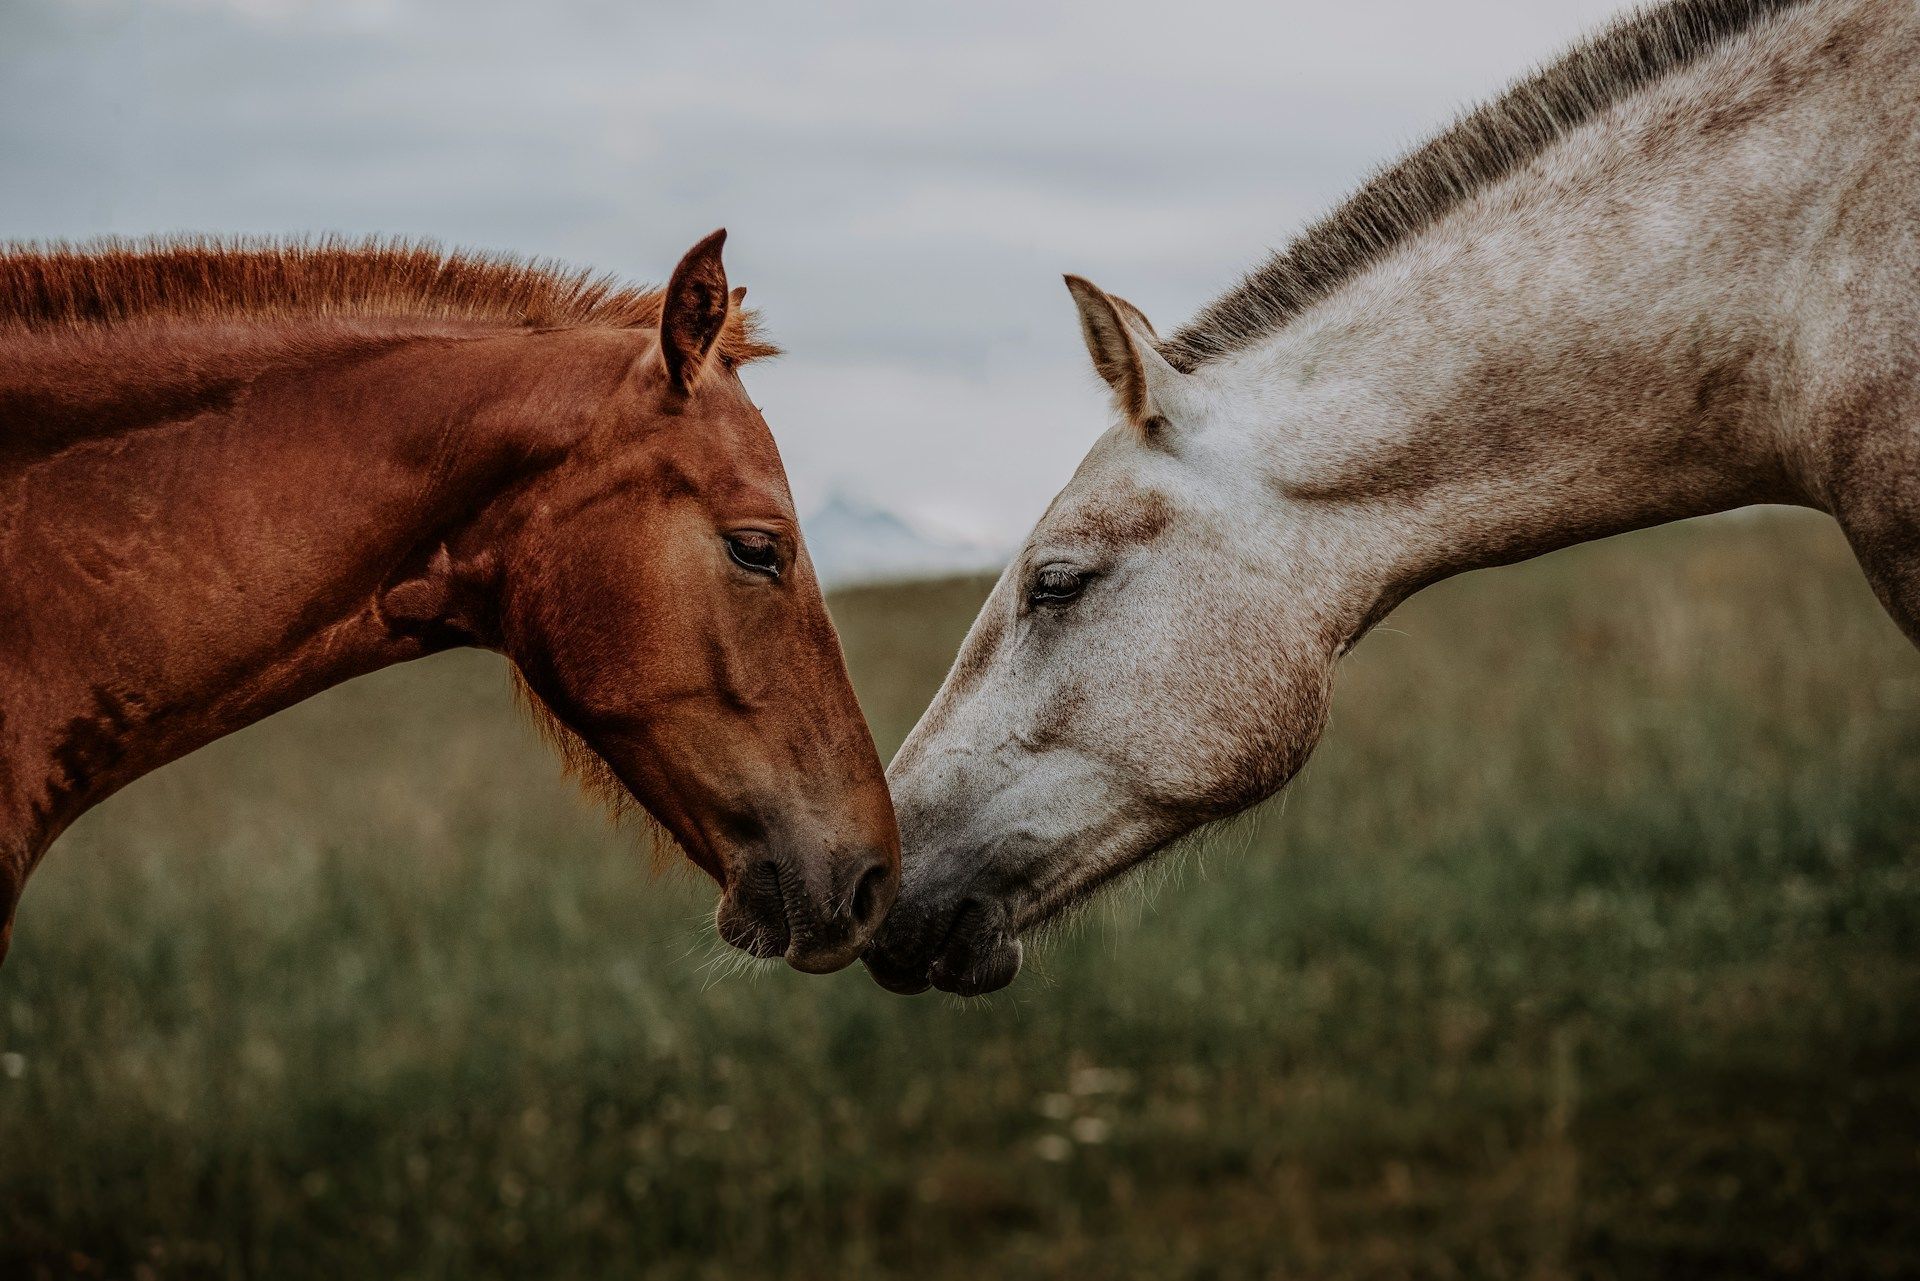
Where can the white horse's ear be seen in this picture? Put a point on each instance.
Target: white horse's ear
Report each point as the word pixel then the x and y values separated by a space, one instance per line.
pixel 1126 354
pixel 1135 318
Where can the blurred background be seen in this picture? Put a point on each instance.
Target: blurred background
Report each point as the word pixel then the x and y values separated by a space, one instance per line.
pixel 1588 944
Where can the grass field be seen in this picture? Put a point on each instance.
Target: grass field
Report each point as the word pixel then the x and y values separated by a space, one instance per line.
pixel 1588 945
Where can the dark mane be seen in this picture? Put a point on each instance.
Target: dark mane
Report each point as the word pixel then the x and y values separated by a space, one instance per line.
pixel 109 282
pixel 1480 148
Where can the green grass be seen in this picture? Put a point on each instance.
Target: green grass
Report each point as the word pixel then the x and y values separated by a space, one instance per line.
pixel 1588 945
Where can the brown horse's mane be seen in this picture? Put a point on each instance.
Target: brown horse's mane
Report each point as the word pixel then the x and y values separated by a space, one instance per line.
pixel 1479 149
pixel 110 282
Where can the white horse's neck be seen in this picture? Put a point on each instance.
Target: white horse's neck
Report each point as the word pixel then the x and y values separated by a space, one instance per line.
pixel 1602 342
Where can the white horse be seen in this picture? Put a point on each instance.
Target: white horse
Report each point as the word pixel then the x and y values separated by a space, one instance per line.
pixel 1676 272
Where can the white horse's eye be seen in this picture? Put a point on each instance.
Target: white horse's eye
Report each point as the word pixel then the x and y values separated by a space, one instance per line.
pixel 1056 585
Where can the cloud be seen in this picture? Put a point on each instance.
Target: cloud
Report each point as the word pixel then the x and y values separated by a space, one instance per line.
pixel 904 183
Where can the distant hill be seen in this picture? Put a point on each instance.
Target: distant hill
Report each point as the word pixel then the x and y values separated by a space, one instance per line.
pixel 854 541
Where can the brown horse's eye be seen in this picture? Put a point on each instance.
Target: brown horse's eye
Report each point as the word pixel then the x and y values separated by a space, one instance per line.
pixel 756 552
pixel 1056 585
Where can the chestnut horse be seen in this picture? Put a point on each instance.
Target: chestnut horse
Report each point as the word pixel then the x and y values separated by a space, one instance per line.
pixel 234 475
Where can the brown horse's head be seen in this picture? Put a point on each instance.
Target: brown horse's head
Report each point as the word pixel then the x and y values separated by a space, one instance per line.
pixel 652 588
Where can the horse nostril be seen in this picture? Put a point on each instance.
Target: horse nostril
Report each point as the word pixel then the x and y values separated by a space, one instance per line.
pixel 870 898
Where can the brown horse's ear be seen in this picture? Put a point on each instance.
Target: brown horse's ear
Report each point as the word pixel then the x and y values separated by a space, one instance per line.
pixel 694 311
pixel 1126 354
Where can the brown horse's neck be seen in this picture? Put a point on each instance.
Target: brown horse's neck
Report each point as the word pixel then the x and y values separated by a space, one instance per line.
pixel 197 523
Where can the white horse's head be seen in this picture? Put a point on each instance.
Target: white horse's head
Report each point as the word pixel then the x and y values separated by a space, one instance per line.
pixel 1156 657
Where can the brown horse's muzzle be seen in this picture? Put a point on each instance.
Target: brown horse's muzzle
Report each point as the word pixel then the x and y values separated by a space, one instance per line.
pixel 816 914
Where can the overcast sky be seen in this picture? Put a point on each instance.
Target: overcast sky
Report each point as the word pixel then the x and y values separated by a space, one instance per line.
pixel 903 182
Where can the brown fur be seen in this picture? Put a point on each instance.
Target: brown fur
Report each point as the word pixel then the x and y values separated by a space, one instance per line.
pixel 1124 516
pixel 597 780
pixel 108 282
pixel 235 475
pixel 113 282
pixel 1480 148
